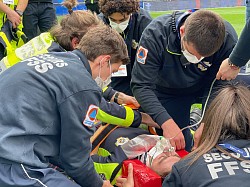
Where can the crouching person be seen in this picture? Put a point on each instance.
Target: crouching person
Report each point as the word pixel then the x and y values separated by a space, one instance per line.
pixel 48 110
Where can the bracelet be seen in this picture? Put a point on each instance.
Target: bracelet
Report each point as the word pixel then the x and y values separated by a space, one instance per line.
pixel 19 12
pixel 232 66
pixel 116 97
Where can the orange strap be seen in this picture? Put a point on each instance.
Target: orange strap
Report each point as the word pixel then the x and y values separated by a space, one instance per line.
pixel 100 135
pixel 152 130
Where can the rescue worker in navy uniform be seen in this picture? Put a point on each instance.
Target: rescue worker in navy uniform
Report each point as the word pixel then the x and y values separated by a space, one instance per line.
pixel 48 110
pixel 130 21
pixel 222 155
pixel 178 58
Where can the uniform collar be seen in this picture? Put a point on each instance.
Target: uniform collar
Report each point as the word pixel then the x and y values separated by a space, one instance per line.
pixel 83 58
pixel 173 44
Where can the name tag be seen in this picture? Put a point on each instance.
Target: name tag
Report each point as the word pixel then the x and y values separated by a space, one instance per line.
pixel 9 2
pixel 122 72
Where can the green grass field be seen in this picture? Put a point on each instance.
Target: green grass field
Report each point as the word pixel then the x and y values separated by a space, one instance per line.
pixel 234 15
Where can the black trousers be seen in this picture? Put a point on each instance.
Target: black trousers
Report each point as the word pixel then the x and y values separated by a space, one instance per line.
pixel 38 18
pixel 93 7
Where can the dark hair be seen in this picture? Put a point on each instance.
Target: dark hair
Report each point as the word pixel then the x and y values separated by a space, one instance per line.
pixel 108 7
pixel 103 40
pixel 205 30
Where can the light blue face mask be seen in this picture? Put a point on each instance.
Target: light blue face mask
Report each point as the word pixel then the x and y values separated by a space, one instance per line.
pixel 103 83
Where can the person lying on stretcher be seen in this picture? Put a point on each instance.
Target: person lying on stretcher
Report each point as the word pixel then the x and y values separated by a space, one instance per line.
pixel 133 143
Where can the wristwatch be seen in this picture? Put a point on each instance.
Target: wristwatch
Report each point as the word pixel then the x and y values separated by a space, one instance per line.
pixel 116 97
pixel 19 12
pixel 232 66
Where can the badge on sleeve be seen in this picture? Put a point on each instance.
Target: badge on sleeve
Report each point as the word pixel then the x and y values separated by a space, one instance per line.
pixel 90 117
pixel 203 66
pixel 134 44
pixel 121 141
pixel 141 55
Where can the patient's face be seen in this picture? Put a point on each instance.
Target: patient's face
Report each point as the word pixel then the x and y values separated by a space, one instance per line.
pixel 163 163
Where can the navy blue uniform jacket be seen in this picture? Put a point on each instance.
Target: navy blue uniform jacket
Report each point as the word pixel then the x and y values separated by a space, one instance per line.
pixel 163 70
pixel 45 113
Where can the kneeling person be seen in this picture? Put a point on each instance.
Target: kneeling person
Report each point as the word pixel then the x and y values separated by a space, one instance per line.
pixel 48 110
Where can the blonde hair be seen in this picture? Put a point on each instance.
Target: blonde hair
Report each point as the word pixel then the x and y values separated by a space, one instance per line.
pixel 75 24
pixel 228 117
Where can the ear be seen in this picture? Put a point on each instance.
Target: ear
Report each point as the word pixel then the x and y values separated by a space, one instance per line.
pixel 107 58
pixel 74 42
pixel 182 30
pixel 104 59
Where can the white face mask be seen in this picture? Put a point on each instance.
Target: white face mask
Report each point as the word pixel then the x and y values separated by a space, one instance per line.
pixel 119 27
pixel 103 83
pixel 191 58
